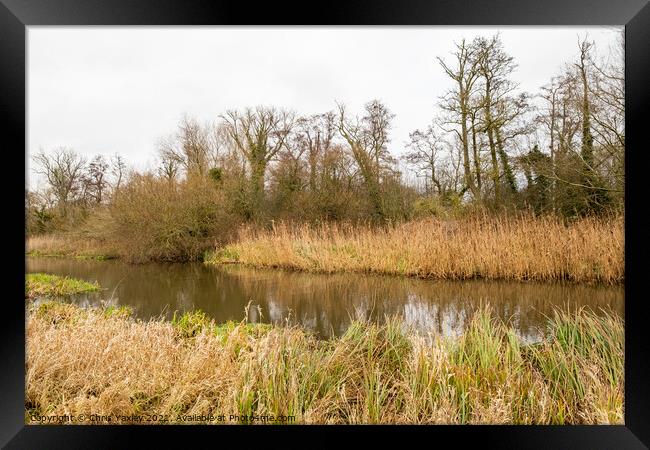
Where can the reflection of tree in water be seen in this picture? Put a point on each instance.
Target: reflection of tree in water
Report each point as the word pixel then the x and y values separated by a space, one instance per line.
pixel 325 303
pixel 328 302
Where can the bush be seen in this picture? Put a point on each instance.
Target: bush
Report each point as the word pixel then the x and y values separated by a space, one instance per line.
pixel 168 220
pixel 427 206
pixel 449 205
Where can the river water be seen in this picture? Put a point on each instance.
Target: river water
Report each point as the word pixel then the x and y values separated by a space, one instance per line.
pixel 323 303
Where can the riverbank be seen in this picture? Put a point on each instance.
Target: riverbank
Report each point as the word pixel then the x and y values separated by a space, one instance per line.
pixel 522 248
pixel 69 246
pixel 120 370
pixel 509 248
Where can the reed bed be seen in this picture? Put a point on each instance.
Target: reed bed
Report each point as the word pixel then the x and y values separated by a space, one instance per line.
pixel 117 369
pixel 513 247
pixel 68 245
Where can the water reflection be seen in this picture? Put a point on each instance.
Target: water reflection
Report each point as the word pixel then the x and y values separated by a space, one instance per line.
pixel 324 303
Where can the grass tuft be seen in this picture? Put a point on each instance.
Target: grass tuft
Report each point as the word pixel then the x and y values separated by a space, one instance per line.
pixel 46 285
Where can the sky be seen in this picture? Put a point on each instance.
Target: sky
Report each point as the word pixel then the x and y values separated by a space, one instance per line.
pixel 106 90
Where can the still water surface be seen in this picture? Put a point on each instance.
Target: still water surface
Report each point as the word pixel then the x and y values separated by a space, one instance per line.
pixel 324 304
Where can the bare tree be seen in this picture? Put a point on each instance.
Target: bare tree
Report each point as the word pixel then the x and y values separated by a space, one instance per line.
pixel 608 114
pixel 289 170
pixel 549 117
pixel 458 103
pixel 596 194
pixel 500 108
pixel 474 118
pixel 368 139
pixel 63 170
pixel 584 119
pixel 425 152
pixel 194 148
pixel 316 133
pixel 94 180
pixel 169 163
pixel 118 170
pixel 587 148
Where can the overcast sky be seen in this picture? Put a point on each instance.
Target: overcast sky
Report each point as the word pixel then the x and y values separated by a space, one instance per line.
pixel 119 89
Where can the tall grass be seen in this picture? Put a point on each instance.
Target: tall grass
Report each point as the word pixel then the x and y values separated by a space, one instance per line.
pixel 69 245
pixel 87 362
pixel 517 248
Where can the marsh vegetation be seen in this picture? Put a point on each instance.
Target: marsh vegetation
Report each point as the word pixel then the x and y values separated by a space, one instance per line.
pixel 47 285
pixel 85 361
pixel 516 248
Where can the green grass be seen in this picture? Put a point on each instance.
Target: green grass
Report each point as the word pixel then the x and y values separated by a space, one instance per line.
pixel 81 256
pixel 96 257
pixel 122 311
pixel 46 285
pixel 192 323
pixel 225 255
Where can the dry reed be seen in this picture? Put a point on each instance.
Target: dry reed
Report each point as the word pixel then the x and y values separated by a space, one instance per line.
pixel 111 367
pixel 516 248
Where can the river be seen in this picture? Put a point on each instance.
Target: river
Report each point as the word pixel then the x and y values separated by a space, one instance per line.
pixel 324 303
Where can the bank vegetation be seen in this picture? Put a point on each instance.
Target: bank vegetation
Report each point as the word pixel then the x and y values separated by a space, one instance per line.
pixel 509 247
pixel 105 363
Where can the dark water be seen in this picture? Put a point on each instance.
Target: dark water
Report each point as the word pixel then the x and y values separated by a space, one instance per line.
pixel 324 303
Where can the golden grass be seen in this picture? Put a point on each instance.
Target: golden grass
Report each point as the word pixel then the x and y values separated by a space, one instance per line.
pixel 68 245
pixel 120 370
pixel 516 248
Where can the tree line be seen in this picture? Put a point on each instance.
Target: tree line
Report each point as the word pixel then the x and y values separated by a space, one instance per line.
pixel 488 146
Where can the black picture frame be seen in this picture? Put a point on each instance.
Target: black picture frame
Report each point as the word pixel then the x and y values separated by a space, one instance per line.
pixel 16 15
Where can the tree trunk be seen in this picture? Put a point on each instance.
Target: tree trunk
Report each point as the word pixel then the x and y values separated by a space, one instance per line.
pixel 507 170
pixel 469 179
pixel 477 159
pixel 587 149
pixel 493 150
pixel 257 185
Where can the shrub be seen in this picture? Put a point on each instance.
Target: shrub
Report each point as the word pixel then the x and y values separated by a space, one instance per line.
pixel 167 220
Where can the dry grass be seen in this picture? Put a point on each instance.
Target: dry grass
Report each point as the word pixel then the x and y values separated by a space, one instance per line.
pixel 517 248
pixel 94 362
pixel 69 245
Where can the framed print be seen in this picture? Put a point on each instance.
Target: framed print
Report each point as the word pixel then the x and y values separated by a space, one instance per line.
pixel 397 218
